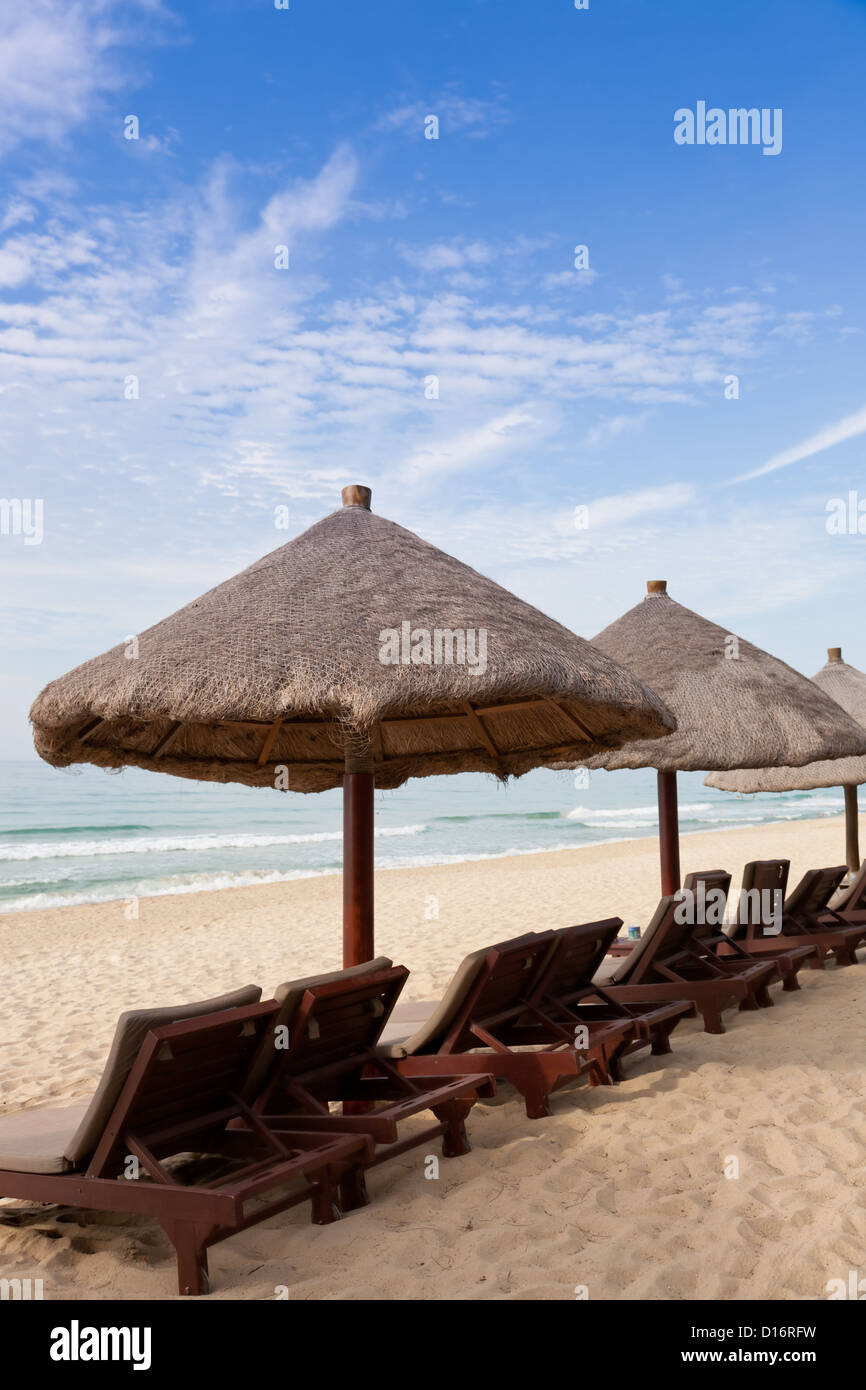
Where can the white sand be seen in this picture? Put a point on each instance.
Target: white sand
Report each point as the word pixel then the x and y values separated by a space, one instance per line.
pixel 622 1190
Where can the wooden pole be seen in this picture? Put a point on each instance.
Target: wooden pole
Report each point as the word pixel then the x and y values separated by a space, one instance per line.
pixel 358 784
pixel 669 832
pixel 357 867
pixel 852 830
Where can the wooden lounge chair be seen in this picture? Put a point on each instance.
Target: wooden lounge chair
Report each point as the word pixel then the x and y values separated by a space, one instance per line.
pixel 323 1048
pixel 849 902
pixel 566 991
pixel 806 916
pixel 488 1019
pixel 715 938
pixel 170 1087
pixel 665 964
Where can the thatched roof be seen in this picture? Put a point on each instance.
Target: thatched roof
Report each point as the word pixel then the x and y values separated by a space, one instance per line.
pixel 281 667
pixel 732 711
pixel 847 686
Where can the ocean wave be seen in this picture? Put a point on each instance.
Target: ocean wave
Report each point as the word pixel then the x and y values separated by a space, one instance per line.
pixel 626 815
pixel 171 844
pixel 197 883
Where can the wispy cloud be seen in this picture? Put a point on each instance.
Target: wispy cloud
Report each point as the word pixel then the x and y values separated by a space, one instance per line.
pixel 848 428
pixel 60 58
pixel 454 255
pixel 473 116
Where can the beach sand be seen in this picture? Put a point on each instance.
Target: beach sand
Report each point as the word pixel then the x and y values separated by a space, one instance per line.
pixel 621 1192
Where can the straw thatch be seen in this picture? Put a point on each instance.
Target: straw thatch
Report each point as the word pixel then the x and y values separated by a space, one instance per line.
pixel 279 669
pixel 735 705
pixel 847 686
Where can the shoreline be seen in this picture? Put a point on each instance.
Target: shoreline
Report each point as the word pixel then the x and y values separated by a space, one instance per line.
pixel 303 875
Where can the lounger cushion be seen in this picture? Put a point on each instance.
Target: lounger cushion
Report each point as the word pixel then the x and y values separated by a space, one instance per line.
pixel 131 1031
pixel 292 988
pixel 428 1035
pixel 849 892
pixel 35 1141
pixel 609 967
pixel 616 970
pixel 404 1021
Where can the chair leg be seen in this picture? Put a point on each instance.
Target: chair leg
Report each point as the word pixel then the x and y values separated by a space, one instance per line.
pixel 535 1099
pixel 606 1067
pixel 712 1016
pixel 818 961
pixel 535 1087
pixel 661 1038
pixel 614 1063
pixel 764 997
pixel 789 970
pixel 192 1270
pixel 845 955
pixel 353 1190
pixel 455 1141
pixel 323 1205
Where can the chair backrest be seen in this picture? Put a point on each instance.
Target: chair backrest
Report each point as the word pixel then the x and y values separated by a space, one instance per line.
pixel 326 1029
pixel 765 882
pixel 852 898
pixel 709 889
pixel 289 995
pixel 814 891
pixel 665 936
pixel 487 985
pixel 183 1083
pixel 131 1030
pixel 577 954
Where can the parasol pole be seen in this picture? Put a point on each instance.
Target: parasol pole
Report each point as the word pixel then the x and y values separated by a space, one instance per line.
pixel 669 832
pixel 852 830
pixel 357 864
pixel 358 786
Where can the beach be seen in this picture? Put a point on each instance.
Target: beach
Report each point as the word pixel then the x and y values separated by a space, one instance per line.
pixel 621 1194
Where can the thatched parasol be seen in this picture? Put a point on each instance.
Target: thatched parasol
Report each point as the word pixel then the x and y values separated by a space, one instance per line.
pixel 847 686
pixel 356 655
pixel 735 706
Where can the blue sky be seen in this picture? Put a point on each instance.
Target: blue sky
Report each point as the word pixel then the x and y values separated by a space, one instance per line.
pixel 261 387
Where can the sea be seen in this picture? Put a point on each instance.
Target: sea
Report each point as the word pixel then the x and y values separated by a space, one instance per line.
pixel 84 835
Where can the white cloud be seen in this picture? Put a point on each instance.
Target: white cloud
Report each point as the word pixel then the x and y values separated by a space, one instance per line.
pixel 59 58
pixel 473 447
pixel 447 256
pixel 609 513
pixel 474 116
pixel 611 427
pixel 848 428
pixel 570 279
pixel 13 268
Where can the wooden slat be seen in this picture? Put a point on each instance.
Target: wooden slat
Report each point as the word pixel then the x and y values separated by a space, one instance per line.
pixel 270 740
pixel 572 719
pixel 510 706
pixel 378 745
pixel 164 742
pixel 480 730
